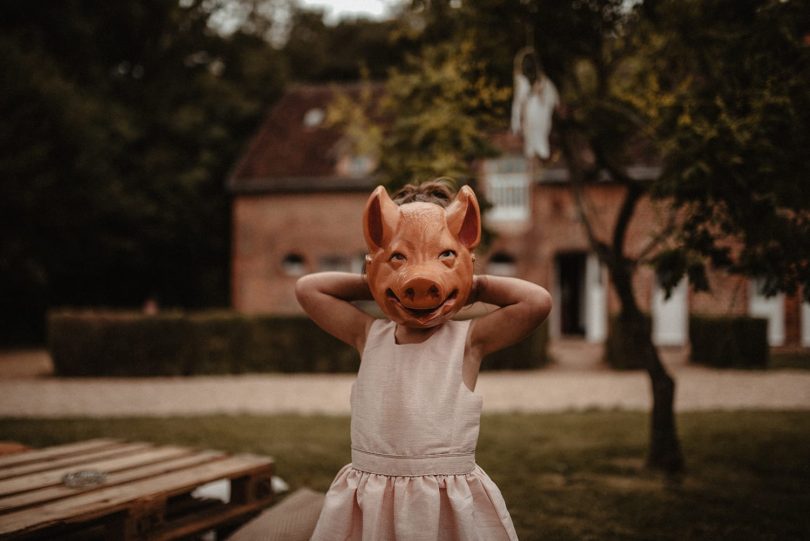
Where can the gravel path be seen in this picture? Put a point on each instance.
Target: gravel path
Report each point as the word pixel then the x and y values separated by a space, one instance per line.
pixel 563 387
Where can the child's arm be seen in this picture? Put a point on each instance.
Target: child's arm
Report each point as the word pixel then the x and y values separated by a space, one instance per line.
pixel 522 307
pixel 326 298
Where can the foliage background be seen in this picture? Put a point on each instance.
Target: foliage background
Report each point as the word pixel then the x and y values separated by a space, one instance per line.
pixel 120 125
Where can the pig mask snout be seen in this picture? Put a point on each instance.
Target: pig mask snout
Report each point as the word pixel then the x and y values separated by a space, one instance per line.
pixel 420 262
pixel 421 293
pixel 421 290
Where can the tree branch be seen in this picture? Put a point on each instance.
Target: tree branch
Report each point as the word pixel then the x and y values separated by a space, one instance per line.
pixel 656 240
pixel 577 176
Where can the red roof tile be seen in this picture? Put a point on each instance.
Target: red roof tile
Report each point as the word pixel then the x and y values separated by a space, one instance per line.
pixel 287 155
pixel 285 149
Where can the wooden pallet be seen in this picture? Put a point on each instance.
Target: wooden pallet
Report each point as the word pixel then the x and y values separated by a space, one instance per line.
pixel 146 492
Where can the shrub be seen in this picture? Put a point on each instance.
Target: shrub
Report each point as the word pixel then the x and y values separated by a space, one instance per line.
pixel 168 344
pixel 118 344
pixel 726 342
pixel 532 352
pixel 174 343
pixel 621 349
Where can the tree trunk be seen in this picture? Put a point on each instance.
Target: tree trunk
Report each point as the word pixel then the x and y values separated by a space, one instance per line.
pixel 664 451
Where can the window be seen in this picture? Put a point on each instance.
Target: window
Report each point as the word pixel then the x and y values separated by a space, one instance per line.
pixel 314 118
pixel 508 189
pixel 334 263
pixel 293 265
pixel 502 264
pixel 359 165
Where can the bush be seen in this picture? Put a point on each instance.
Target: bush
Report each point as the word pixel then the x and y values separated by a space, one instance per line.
pixel 529 353
pixel 117 344
pixel 169 344
pixel 621 345
pixel 178 344
pixel 725 342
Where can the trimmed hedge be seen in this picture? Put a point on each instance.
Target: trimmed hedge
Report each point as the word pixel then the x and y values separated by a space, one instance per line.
pixel 621 351
pixel 179 344
pixel 725 342
pixel 530 353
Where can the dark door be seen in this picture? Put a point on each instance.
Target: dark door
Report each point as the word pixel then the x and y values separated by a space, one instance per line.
pixel 571 278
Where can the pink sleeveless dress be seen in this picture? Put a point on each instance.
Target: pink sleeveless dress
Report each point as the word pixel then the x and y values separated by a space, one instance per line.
pixel 414 429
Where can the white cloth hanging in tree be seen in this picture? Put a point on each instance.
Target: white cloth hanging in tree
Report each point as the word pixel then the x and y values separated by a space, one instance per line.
pixel 532 110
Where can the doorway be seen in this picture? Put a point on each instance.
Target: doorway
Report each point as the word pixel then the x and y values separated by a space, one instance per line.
pixel 571 286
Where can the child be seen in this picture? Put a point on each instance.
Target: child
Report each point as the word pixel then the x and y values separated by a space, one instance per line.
pixel 415 416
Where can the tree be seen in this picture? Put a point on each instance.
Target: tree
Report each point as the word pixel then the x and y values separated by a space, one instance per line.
pixel 428 120
pixel 718 91
pixel 120 125
pixel 320 52
pixel 440 106
pixel 585 47
pixel 728 101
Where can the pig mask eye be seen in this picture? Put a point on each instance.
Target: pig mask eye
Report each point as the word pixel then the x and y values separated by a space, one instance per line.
pixel 397 259
pixel 448 257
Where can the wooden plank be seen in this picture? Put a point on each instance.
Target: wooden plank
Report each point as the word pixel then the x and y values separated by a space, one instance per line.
pixel 75 460
pixel 294 518
pixel 207 521
pixel 102 502
pixel 56 451
pixel 48 478
pixel 42 495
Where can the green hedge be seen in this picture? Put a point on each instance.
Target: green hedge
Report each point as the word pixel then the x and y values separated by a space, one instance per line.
pixel 175 344
pixel 739 342
pixel 530 353
pixel 621 350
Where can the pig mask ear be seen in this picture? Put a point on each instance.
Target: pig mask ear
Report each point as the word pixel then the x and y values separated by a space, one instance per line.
pixel 379 219
pixel 464 218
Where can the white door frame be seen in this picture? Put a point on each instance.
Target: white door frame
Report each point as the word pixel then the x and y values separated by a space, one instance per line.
pixel 771 308
pixel 596 314
pixel 670 317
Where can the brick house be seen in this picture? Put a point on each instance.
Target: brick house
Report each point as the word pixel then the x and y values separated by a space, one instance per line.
pixel 298 197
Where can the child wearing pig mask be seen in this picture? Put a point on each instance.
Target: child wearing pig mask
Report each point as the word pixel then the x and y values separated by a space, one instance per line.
pixel 415 416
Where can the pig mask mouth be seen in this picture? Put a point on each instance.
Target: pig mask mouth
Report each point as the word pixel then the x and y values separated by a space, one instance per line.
pixel 424 315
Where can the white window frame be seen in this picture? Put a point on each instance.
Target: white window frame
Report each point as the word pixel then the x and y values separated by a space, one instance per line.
pixel 508 189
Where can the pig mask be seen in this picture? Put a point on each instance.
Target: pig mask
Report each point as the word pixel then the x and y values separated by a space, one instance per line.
pixel 420 262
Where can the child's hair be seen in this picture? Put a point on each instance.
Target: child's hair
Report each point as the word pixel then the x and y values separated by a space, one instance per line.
pixel 440 191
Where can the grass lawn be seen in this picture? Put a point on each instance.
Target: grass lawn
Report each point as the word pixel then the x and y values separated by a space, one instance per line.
pixel 573 476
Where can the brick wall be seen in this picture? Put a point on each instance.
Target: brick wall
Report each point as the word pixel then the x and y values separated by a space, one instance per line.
pixel 268 228
pixel 320 227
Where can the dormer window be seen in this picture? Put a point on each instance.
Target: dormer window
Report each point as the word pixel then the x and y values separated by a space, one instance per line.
pixel 314 117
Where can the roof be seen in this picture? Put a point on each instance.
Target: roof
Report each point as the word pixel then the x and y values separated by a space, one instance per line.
pixel 289 154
